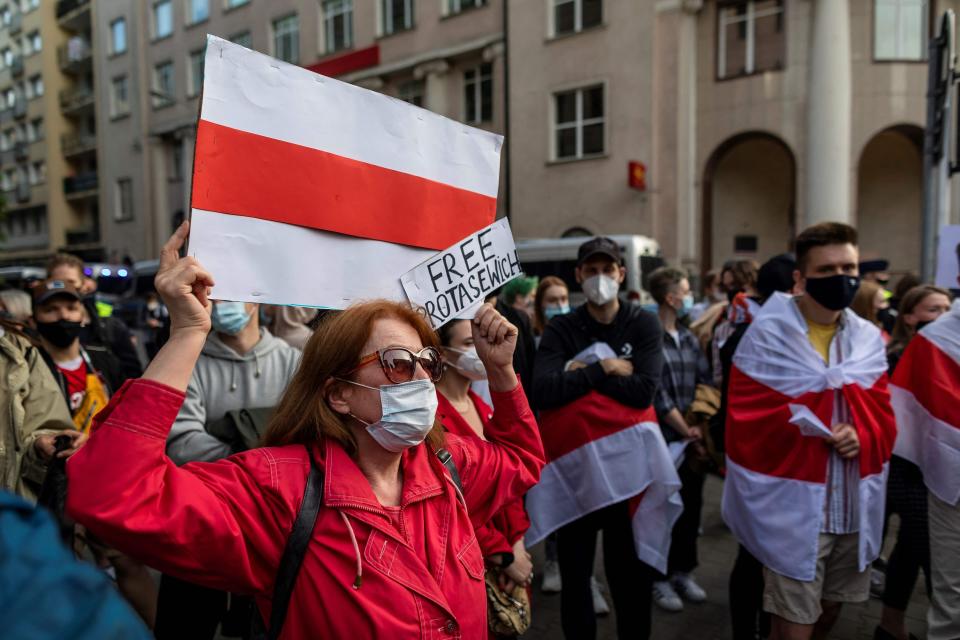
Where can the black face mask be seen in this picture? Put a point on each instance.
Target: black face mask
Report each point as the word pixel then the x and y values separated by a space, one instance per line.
pixel 833 292
pixel 887 317
pixel 921 325
pixel 61 333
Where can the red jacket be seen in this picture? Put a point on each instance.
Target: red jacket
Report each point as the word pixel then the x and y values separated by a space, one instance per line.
pixel 224 524
pixel 501 532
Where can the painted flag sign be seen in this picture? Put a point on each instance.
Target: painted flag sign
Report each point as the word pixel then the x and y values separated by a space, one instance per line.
pixel 455 282
pixel 782 396
pixel 310 191
pixel 600 452
pixel 926 399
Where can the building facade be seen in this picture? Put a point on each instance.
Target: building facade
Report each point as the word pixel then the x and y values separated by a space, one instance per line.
pixel 48 143
pixel 746 119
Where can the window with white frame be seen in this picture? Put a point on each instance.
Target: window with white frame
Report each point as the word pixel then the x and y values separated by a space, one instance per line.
pixel 10 97
pixel 412 92
pixel 478 93
pixel 36 42
pixel 35 130
pixel 123 200
pixel 286 38
pixel 395 15
pixel 579 123
pixel 7 139
pixel 195 72
pixel 230 4
pixel 38 172
pixel 118 36
pixel 244 39
pixel 22 132
pixel 5 16
pixel 456 6
pixel 162 18
pixel 750 37
pixel 119 96
pixel 35 85
pixel 337 25
pixel 572 16
pixel 197 11
pixel 7 55
pixel 163 84
pixel 900 29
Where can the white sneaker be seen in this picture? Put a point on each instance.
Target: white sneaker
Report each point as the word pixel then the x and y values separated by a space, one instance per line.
pixel 600 606
pixel 687 587
pixel 665 597
pixel 551 577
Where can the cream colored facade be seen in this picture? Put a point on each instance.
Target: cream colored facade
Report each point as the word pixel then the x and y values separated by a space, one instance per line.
pixel 47 155
pixel 736 162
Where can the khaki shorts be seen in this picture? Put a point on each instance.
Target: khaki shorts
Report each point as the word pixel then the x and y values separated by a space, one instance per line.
pixel 838 579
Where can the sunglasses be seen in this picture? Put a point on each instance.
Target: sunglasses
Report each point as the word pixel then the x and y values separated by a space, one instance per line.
pixel 400 364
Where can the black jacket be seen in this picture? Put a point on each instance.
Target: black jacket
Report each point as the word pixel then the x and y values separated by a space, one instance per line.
pixel 526 346
pixel 102 360
pixel 113 335
pixel 634 334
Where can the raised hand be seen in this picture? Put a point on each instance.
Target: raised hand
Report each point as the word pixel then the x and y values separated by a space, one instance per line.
pixel 184 285
pixel 495 339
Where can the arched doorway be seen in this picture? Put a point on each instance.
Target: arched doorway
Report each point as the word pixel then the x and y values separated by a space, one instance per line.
pixel 889 195
pixel 749 199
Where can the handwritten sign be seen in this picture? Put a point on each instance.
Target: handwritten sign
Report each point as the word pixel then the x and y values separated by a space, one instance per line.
pixel 455 281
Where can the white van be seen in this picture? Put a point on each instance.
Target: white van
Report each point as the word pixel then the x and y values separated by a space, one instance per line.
pixel 558 257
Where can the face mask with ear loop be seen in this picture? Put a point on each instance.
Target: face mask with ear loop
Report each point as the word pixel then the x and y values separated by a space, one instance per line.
pixel 408 411
pixel 468 364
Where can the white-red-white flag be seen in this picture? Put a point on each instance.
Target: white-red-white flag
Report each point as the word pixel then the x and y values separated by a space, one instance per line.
pixel 926 398
pixel 781 400
pixel 600 452
pixel 312 191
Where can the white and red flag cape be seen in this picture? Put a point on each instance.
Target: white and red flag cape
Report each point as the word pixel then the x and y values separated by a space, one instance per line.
pixel 926 398
pixel 311 191
pixel 781 401
pixel 600 452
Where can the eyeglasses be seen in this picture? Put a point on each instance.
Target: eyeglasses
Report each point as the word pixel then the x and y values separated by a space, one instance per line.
pixel 400 364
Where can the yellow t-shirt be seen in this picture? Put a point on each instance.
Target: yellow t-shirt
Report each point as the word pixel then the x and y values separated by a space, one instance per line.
pixel 821 335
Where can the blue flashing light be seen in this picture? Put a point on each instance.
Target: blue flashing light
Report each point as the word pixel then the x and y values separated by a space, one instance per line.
pixel 105 272
pixel 122 273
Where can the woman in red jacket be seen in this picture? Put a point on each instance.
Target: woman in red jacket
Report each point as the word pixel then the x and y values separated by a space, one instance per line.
pixel 465 414
pixel 393 553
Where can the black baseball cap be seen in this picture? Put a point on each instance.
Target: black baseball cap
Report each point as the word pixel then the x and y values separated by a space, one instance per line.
pixel 599 246
pixel 49 289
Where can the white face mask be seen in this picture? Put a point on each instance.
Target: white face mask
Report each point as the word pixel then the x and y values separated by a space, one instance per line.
pixel 600 289
pixel 468 364
pixel 408 411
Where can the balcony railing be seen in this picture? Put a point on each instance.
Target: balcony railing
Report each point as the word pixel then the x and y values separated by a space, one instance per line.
pixel 65 7
pixel 80 183
pixel 72 99
pixel 16 67
pixel 74 55
pixel 76 143
pixel 16 23
pixel 20 107
pixel 20 151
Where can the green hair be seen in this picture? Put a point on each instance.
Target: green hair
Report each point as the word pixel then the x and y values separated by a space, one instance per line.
pixel 522 286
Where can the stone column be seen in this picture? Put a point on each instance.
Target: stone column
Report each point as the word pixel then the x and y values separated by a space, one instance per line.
pixel 435 86
pixel 828 115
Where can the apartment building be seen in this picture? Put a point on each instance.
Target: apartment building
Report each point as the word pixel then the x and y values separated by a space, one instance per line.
pixel 47 131
pixel 718 127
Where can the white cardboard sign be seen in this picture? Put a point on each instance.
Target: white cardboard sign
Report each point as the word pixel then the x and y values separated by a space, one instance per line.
pixel 454 282
pixel 947 267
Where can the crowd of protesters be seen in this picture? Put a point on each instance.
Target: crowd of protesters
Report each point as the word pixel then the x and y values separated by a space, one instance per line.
pixel 386 465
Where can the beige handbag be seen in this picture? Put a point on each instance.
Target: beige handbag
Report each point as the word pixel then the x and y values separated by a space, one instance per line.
pixel 508 614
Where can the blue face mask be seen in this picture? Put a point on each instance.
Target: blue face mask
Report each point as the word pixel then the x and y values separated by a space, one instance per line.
pixel 687 305
pixel 555 310
pixel 229 317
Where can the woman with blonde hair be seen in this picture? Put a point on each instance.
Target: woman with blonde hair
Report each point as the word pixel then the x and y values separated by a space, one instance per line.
pixel 355 465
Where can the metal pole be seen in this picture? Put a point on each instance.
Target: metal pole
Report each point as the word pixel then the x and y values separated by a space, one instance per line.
pixel 932 150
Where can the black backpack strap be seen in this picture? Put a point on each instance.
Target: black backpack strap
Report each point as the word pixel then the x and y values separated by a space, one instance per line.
pixel 296 549
pixel 447 459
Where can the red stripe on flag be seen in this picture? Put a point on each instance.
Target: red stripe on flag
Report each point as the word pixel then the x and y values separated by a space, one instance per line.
pixel 759 436
pixel 246 174
pixel 933 377
pixel 586 419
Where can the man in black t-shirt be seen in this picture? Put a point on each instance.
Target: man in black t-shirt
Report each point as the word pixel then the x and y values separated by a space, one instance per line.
pixel 631 378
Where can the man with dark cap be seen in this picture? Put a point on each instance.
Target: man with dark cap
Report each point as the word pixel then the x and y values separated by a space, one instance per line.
pixel 626 374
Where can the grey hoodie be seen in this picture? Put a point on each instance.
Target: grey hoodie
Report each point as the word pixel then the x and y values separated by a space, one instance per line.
pixel 222 381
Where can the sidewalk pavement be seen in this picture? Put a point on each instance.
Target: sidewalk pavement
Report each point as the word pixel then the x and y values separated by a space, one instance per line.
pixel 711 620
